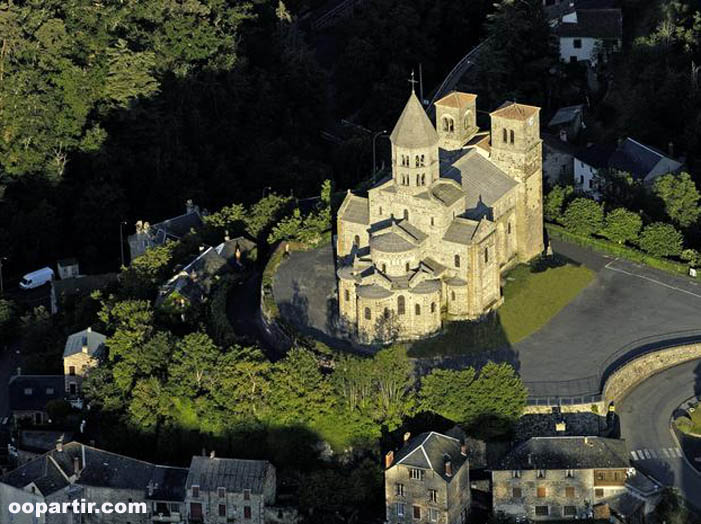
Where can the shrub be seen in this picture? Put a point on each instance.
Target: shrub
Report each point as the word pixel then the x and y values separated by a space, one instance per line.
pixel 8 320
pixel 555 201
pixel 662 240
pixel 622 226
pixel 583 216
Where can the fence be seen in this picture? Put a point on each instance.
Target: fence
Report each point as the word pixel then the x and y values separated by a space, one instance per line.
pixel 589 389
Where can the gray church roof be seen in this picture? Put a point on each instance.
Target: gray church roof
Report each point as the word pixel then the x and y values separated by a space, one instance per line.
pixel 446 192
pixel 235 475
pixel 567 453
pixel 461 231
pixel 391 243
pixel 430 451
pixel 482 181
pixel 94 341
pixel 414 129
pixel 357 210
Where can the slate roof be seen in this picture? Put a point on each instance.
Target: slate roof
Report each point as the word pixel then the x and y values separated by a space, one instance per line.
pixel 429 451
pixel 461 231
pixel 85 284
pixel 92 339
pixel 593 23
pixel 636 158
pixel 596 155
pixel 414 129
pixel 391 243
pixel 514 111
pixel 567 453
pixel 372 291
pixel 233 474
pixel 481 180
pixel 446 192
pixel 179 226
pixel 44 388
pixel 357 210
pixel 565 115
pixel 98 468
pixel 456 99
pixel 227 249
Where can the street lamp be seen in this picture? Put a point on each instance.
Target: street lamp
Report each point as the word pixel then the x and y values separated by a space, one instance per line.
pixel 121 240
pixel 374 163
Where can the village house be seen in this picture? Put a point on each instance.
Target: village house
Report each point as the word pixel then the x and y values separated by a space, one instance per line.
pixel 151 235
pixel 461 207
pixel 428 480
pixel 558 160
pixel 561 477
pixel 29 396
pixel 590 32
pixel 81 353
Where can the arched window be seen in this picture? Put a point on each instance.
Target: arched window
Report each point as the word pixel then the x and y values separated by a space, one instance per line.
pixel 386 313
pixel 504 135
pixel 467 119
pixel 511 136
pixel 457 260
pixel 417 309
pixel 486 254
pixel 433 307
pixel 380 210
pixel 356 241
pixel 423 162
pixel 418 161
pixel 368 316
pixel 452 296
pixel 423 179
pixel 401 305
pixel 508 228
pixel 418 179
pixel 346 294
pixel 407 267
pixel 384 268
pixel 448 124
pixel 432 221
pixel 406 214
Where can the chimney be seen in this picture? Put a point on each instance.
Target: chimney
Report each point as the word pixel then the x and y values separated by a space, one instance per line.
pixel 561 426
pixel 19 371
pixel 85 348
pixel 670 149
pixel 463 450
pixel 201 249
pixel 212 454
pixel 389 459
pixel 407 436
pixel 448 467
pixel 59 444
pixel 189 206
pixel 89 330
pixel 76 466
pixel 226 236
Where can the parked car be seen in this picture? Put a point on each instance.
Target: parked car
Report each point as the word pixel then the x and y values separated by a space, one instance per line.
pixel 37 278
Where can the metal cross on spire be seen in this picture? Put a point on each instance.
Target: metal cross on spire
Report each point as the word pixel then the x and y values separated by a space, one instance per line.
pixel 413 82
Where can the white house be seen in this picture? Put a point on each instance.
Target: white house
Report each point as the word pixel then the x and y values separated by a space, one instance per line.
pixel 589 34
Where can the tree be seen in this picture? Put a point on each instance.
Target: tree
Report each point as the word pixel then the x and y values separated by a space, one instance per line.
pixel 661 240
pixel 149 403
pixel 555 201
pixel 622 226
pixel 583 216
pixel 8 319
pixel 242 382
pixel 443 392
pixel 194 365
pixel 393 373
pixel 264 213
pixel 680 197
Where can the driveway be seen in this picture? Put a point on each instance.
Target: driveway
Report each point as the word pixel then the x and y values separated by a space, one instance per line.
pixel 645 424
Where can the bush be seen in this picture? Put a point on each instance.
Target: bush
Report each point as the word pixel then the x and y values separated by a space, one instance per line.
pixel 555 201
pixel 662 240
pixel 583 216
pixel 8 320
pixel 622 226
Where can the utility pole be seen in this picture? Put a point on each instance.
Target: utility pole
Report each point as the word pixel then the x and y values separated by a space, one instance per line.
pixel 121 240
pixel 374 155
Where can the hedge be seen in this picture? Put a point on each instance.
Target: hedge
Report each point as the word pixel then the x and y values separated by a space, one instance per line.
pixel 220 328
pixel 606 246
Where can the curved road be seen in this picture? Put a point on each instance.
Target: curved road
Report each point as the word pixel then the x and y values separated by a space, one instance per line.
pixel 645 414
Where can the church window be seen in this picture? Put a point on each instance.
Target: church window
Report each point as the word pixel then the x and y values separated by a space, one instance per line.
pixel 423 161
pixel 368 316
pixel 346 294
pixel 406 214
pixel 418 179
pixel 486 254
pixel 448 124
pixel 423 179
pixel 386 313
pixel 356 241
pixel 380 210
pixel 417 309
pixel 504 135
pixel 511 136
pixel 433 307
pixel 432 221
pixel 508 228
pixel 452 295
pixel 401 305
pixel 407 267
pixel 466 120
pixel 457 260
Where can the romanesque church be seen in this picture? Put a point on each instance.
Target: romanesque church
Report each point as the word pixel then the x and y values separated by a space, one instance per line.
pixel 431 242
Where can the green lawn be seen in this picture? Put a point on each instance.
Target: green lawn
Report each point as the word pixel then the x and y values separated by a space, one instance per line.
pixel 691 425
pixel 531 298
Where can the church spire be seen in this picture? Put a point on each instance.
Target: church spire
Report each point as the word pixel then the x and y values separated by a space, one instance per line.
pixel 414 129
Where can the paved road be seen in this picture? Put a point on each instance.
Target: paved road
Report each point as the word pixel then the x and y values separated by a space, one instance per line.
pixel 645 414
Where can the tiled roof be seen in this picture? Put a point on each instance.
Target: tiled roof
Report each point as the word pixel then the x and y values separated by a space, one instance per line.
pixel 593 23
pixel 357 210
pixel 92 339
pixel 514 111
pixel 567 453
pixel 414 129
pixel 456 99
pixel 430 451
pixel 461 231
pixel 43 389
pixel 235 475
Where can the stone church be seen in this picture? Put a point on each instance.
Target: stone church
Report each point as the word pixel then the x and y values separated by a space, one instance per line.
pixel 431 242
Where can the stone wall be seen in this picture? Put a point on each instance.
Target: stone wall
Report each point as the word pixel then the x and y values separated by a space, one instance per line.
pixel 628 376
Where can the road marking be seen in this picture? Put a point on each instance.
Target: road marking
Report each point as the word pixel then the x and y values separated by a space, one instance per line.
pixel 647 453
pixel 608 266
pixel 678 452
pixel 653 453
pixel 634 454
pixel 666 452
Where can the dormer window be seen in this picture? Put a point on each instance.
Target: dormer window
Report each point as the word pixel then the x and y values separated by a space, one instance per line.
pixel 195 491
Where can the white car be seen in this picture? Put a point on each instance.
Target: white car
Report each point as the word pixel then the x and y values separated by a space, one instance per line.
pixel 37 278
